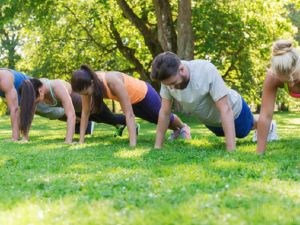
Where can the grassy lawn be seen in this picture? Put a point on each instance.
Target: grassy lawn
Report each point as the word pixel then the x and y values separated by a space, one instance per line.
pixel 105 182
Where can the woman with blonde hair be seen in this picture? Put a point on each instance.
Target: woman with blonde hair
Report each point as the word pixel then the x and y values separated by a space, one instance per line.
pixel 284 73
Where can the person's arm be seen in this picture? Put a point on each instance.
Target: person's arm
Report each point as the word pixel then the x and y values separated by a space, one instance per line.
pixel 227 119
pixel 117 87
pixel 163 122
pixel 267 108
pixel 61 92
pixel 11 95
pixel 220 93
pixel 85 113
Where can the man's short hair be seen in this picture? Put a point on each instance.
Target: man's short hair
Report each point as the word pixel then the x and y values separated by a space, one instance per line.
pixel 164 66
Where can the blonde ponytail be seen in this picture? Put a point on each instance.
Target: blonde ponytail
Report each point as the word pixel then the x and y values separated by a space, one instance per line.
pixel 285 60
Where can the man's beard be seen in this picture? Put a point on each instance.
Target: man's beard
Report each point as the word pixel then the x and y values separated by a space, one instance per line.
pixel 182 85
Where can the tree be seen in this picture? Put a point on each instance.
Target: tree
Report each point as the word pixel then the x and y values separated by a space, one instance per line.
pixel 125 35
pixel 9 34
pixel 9 41
pixel 294 15
pixel 237 37
pixel 185 40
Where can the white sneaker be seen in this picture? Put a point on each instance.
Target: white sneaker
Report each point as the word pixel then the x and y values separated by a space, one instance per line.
pixel 174 135
pixel 137 128
pixel 92 127
pixel 254 138
pixel 184 133
pixel 272 136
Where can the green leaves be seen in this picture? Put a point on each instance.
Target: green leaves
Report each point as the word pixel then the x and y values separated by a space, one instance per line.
pixel 56 36
pixel 237 35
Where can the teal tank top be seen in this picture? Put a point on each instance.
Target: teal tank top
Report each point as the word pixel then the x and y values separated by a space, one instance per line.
pixel 56 102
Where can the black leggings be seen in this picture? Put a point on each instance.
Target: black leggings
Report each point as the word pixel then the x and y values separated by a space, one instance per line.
pixel 108 117
pixel 105 116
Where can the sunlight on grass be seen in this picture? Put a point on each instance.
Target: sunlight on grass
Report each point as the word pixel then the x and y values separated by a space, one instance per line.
pixel 281 188
pixel 79 166
pixel 195 172
pixel 294 121
pixel 104 181
pixel 78 146
pixel 199 142
pixel 5 133
pixel 136 153
pixel 4 159
pixel 62 211
pixel 235 164
pixel 118 173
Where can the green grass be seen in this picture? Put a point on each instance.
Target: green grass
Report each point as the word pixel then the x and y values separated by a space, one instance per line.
pixel 105 182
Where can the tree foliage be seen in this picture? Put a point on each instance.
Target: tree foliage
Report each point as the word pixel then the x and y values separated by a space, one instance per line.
pixel 294 14
pixel 55 36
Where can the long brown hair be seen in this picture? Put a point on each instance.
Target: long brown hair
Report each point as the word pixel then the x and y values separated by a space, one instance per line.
pixel 29 91
pixel 83 79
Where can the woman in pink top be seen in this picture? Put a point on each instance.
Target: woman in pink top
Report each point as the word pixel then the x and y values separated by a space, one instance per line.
pixel 284 72
pixel 136 97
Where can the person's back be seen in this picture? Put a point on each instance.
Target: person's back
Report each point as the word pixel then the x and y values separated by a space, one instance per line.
pixel 17 77
pixel 135 88
pixel 10 82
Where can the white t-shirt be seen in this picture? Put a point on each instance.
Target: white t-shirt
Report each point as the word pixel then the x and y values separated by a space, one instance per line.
pixel 205 87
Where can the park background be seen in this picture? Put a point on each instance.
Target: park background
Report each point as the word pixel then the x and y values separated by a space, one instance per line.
pixel 52 38
pixel 104 182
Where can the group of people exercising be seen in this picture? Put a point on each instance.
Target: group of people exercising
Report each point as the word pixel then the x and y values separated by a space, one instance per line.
pixel 196 85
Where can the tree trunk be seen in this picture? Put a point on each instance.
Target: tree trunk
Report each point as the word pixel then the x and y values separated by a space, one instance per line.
pixel 12 57
pixel 129 53
pixel 150 37
pixel 185 39
pixel 166 29
pixel 9 43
